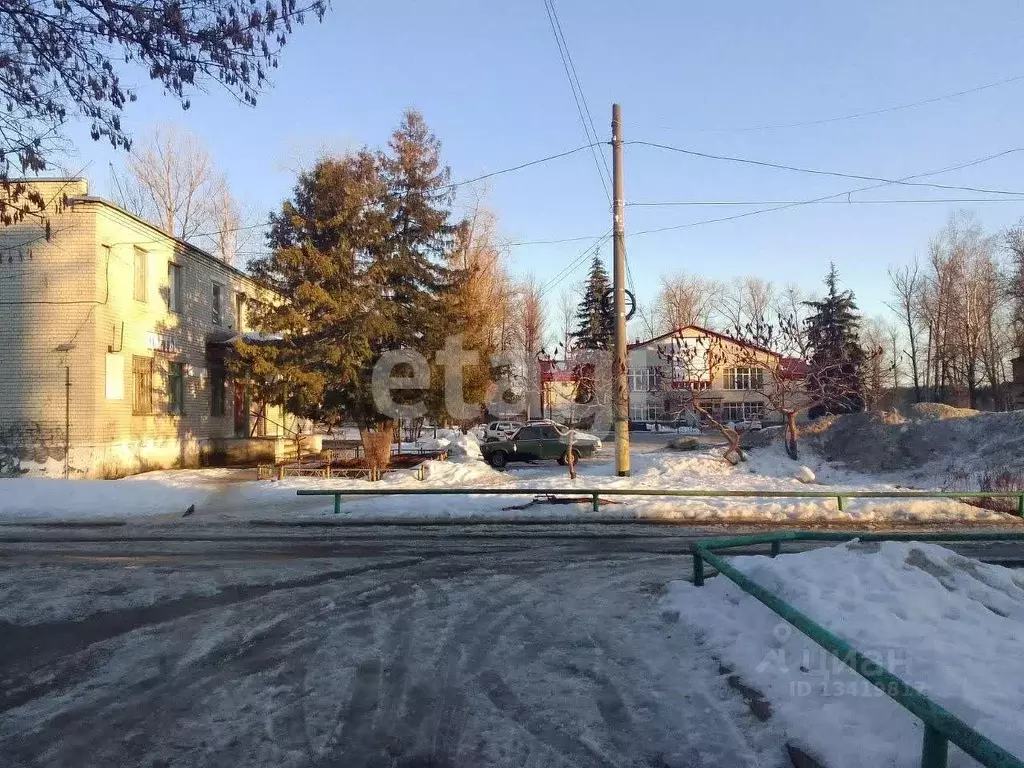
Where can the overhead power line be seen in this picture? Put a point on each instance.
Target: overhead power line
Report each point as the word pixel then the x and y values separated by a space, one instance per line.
pixel 519 167
pixel 582 108
pixel 569 268
pixel 847 193
pixel 837 174
pixel 868 113
pixel 678 203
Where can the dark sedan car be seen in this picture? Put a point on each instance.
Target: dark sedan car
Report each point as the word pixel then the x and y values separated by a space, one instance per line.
pixel 539 441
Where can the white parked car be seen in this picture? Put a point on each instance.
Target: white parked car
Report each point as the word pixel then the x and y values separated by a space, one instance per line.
pixel 501 430
pixel 745 426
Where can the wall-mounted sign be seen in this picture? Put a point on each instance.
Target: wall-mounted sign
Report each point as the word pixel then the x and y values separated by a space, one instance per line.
pixel 163 342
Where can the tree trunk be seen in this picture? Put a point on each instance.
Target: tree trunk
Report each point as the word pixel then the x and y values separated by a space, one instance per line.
pixel 376 441
pixel 791 435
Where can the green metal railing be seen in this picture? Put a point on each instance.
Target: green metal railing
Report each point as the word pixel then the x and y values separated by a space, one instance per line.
pixel 940 726
pixel 594 494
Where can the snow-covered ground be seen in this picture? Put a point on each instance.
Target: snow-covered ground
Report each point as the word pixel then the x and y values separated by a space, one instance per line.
pixel 224 495
pixel 948 625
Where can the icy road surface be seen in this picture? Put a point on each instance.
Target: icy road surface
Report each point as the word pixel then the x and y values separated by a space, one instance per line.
pixel 448 653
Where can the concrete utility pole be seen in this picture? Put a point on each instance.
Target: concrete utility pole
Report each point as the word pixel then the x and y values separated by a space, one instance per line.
pixel 620 406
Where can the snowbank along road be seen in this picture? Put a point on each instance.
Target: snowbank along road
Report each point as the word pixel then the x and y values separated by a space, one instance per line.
pixel 455 653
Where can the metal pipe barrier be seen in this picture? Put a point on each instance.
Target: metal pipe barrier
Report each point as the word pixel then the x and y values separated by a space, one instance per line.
pixel 594 494
pixel 940 725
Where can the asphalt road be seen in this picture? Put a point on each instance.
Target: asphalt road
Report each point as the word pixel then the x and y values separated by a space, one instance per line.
pixel 503 647
pixel 421 651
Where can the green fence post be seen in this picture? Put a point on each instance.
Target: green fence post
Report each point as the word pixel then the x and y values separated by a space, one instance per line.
pixel 698 568
pixel 776 547
pixel 597 504
pixel 842 503
pixel 1020 505
pixel 337 504
pixel 935 750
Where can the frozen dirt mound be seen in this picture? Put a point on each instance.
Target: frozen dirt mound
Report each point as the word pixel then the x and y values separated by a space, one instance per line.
pixel 938 411
pixel 932 439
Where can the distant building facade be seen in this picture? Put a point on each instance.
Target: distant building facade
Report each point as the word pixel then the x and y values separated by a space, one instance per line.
pixel 115 339
pixel 732 388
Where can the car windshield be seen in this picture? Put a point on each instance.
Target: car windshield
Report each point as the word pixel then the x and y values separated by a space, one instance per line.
pixel 560 429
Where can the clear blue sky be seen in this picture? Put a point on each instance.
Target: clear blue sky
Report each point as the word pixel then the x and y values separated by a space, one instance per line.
pixel 489 80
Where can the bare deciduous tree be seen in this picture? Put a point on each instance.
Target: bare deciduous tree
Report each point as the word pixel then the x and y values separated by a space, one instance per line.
pixel 747 300
pixel 565 317
pixel 532 324
pixel 957 313
pixel 879 372
pixel 692 363
pixel 906 287
pixel 687 300
pixel 480 286
pixel 172 181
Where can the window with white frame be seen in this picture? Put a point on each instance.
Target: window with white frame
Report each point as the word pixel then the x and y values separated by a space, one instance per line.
pixel 742 411
pixel 744 378
pixel 642 379
pixel 645 411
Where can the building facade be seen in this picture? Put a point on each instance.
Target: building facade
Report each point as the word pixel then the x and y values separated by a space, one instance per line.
pixel 115 338
pixel 665 373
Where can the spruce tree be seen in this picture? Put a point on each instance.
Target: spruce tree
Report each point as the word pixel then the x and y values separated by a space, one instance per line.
pixel 325 242
pixel 413 269
pixel 359 258
pixel 836 355
pixel 595 318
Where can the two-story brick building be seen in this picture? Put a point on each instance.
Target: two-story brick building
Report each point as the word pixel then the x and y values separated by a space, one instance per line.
pixel 114 337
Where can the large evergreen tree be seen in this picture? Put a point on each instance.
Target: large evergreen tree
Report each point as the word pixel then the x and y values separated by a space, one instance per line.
pixel 418 285
pixel 595 318
pixel 836 355
pixel 359 255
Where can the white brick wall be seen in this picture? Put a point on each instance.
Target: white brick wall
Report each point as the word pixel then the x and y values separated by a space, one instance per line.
pixel 77 289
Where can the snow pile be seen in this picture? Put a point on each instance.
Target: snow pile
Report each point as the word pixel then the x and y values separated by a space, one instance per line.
pixel 768 469
pixel 947 625
pixel 465 446
pixel 457 444
pixel 932 443
pixel 804 475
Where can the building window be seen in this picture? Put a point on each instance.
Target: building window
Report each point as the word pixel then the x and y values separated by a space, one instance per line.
pixel 240 304
pixel 645 412
pixel 744 378
pixel 642 379
pixel 141 259
pixel 742 411
pixel 175 388
pixel 218 385
pixel 142 377
pixel 218 305
pixel 173 287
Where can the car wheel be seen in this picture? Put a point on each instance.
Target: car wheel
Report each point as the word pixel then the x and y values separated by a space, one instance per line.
pixel 564 458
pixel 498 459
